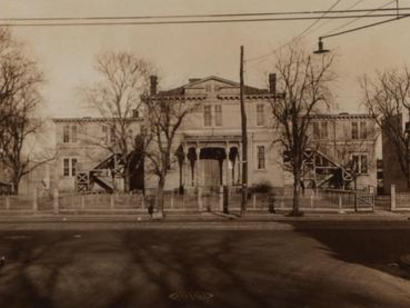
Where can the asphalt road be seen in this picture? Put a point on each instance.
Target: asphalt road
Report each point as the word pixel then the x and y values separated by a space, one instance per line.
pixel 204 268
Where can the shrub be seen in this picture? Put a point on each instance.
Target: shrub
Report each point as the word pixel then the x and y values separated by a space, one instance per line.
pixel 262 187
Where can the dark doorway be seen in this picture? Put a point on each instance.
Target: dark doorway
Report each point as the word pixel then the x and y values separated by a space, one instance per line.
pixel 213 159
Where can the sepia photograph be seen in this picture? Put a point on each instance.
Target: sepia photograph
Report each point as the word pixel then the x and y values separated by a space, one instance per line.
pixel 204 153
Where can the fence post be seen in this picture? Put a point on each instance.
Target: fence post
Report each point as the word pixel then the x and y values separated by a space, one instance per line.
pixel 7 202
pixel 112 201
pixel 35 197
pixel 55 201
pixel 226 199
pixel 355 202
pixel 393 197
pixel 254 201
pixel 199 197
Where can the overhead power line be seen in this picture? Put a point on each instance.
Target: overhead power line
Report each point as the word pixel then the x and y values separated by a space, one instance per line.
pixel 182 16
pixel 112 22
pixel 328 21
pixel 356 19
pixel 365 26
pixel 300 35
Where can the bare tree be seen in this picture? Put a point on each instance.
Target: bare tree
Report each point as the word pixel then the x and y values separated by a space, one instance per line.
pixel 116 98
pixel 20 79
pixel 162 121
pixel 303 82
pixel 387 97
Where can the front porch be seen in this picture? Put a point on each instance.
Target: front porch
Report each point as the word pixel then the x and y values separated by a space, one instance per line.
pixel 210 162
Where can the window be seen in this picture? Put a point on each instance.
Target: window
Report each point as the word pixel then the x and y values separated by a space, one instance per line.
pixel 109 134
pixel 261 157
pixel 320 130
pixel 105 133
pixel 363 164
pixel 73 166
pixel 112 134
pixel 66 167
pixel 359 130
pixel 355 130
pixel 363 130
pixel 260 116
pixel 316 130
pixel 70 133
pixel 359 163
pixel 70 166
pixel 66 133
pixel 207 116
pixel 324 132
pixel 218 115
pixel 74 133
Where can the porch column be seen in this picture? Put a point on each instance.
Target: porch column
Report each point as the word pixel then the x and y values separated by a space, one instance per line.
pixel 227 181
pixel 239 163
pixel 186 164
pixel 198 168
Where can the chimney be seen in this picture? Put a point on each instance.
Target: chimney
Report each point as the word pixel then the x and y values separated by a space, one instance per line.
pixel 272 83
pixel 154 84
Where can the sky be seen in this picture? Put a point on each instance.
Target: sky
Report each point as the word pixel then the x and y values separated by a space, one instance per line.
pixel 66 54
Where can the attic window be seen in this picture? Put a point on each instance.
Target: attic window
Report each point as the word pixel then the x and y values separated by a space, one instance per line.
pixel 208 88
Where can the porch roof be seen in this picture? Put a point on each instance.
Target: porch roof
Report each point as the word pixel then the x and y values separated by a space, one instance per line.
pixel 212 138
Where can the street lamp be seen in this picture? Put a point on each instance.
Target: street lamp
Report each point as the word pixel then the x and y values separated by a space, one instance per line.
pixel 320 48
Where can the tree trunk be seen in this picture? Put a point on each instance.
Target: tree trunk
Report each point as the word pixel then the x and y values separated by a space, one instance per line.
pixel 408 175
pixel 126 181
pixel 296 194
pixel 16 184
pixel 160 196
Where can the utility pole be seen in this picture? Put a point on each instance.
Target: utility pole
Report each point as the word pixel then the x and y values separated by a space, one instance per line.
pixel 244 198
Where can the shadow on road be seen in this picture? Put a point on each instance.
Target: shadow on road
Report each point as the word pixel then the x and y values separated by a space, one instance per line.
pixel 142 268
pixel 378 249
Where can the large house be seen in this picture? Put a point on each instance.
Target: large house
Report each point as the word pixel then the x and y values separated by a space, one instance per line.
pixel 86 155
pixel 343 151
pixel 210 147
pixel 210 138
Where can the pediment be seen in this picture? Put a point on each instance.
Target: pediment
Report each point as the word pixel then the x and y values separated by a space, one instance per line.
pixel 211 85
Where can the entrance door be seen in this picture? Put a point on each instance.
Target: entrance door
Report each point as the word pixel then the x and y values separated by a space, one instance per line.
pixel 211 172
